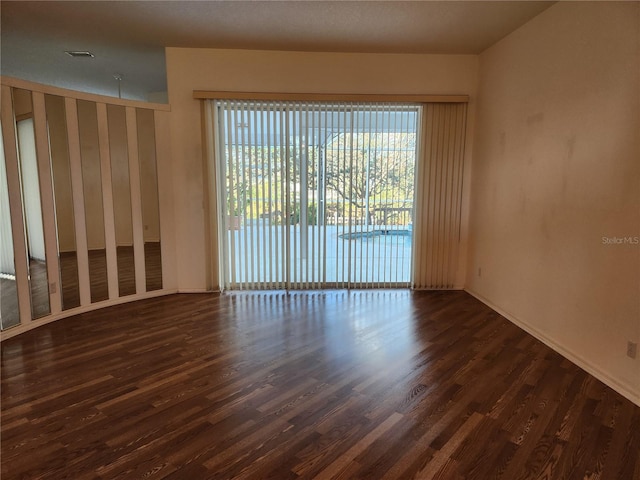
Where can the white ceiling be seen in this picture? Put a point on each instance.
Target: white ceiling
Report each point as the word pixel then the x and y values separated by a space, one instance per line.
pixel 129 37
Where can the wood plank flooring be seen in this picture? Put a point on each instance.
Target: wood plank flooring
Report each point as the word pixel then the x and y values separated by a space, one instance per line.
pixel 334 384
pixel 99 286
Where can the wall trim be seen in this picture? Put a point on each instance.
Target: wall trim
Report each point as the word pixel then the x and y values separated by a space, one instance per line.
pixel 195 290
pixel 623 389
pixel 435 289
pixel 329 97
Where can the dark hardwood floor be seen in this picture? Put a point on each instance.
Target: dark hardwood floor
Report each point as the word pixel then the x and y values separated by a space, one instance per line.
pixel 370 384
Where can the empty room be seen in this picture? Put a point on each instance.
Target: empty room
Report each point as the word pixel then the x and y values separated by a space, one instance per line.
pixel 320 240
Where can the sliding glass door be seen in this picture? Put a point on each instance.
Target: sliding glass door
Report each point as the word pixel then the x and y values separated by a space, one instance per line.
pixel 315 195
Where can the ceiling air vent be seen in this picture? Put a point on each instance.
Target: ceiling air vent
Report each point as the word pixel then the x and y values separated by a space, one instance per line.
pixel 79 53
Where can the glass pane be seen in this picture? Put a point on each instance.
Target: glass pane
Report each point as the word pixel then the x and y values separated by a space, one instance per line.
pixel 31 204
pixel 9 313
pixel 149 192
pixel 116 117
pixel 316 194
pixel 94 213
pixel 61 171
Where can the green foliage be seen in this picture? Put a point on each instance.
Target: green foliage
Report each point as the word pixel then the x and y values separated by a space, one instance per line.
pixel 312 214
pixel 360 168
pixel 238 198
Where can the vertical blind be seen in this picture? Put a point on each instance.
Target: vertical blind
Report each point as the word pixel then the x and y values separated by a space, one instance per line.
pixel 326 195
pixel 439 196
pixel 314 195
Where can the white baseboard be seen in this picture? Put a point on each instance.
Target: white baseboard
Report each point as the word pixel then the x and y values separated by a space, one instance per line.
pixel 623 389
pixel 195 290
pixel 444 289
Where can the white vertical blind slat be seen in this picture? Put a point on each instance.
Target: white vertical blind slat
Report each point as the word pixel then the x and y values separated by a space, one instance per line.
pixel 442 210
pixel 293 141
pixel 349 189
pixel 416 213
pixel 460 129
pixel 230 205
pixel 322 190
pixel 453 193
pixel 219 167
pixel 434 194
pixel 438 165
pixel 394 239
pixel 387 147
pixel 309 193
pixel 253 228
pixel 212 140
pixel 323 160
pixel 262 193
pixel 376 198
pixel 367 206
pixel 402 138
pixel 286 199
pixel 345 121
pixel 242 195
pixel 270 240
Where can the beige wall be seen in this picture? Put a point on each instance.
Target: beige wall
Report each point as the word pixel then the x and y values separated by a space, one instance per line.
pixel 259 71
pixel 556 167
